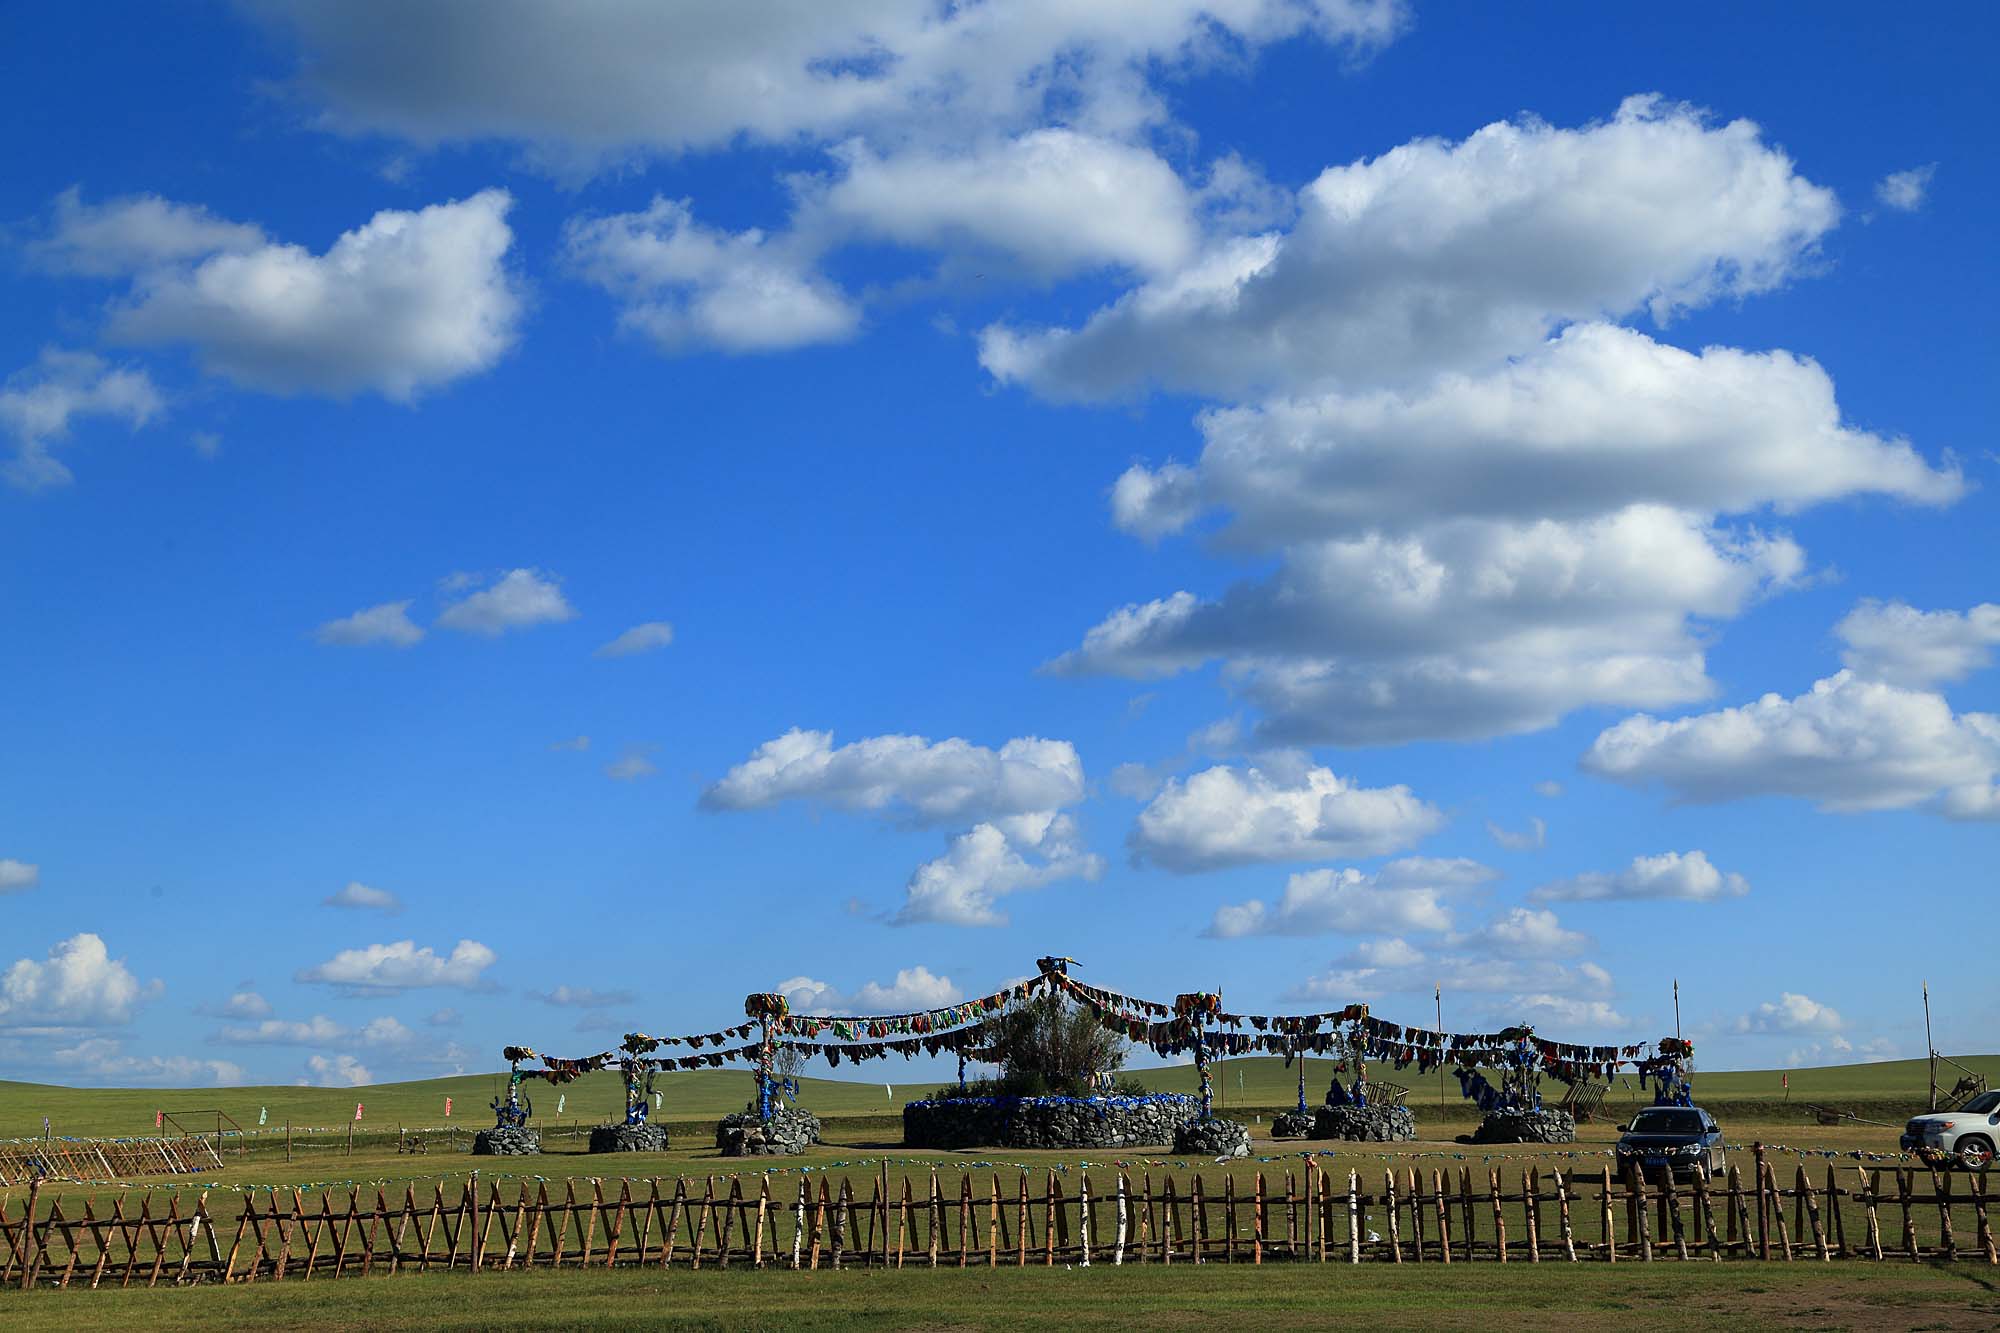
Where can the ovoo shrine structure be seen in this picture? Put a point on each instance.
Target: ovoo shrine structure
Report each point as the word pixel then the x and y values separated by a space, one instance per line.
pixel 1358 1105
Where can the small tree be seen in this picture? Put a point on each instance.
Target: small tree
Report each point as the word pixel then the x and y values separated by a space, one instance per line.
pixel 1049 1046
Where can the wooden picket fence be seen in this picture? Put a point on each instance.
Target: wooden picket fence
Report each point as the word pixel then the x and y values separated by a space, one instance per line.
pixel 1415 1216
pixel 105 1159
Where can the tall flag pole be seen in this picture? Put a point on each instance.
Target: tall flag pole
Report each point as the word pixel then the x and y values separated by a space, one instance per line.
pixel 1930 1047
pixel 1437 993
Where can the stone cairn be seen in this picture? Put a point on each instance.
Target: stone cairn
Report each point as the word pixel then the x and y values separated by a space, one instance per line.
pixel 1374 1123
pixel 1213 1138
pixel 1048 1122
pixel 1523 1124
pixel 637 1134
pixel 785 1131
pixel 767 1127
pixel 510 1135
pixel 1292 1125
pixel 1207 1136
pixel 1518 1116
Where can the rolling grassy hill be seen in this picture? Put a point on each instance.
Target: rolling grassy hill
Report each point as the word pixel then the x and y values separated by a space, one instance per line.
pixel 1885 1090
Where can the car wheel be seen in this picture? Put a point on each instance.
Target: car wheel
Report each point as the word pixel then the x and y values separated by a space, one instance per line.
pixel 1976 1151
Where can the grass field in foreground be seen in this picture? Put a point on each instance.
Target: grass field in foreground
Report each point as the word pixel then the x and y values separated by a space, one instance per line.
pixel 1889 1089
pixel 1716 1297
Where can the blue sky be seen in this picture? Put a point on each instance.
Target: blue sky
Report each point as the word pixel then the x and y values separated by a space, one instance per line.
pixel 526 527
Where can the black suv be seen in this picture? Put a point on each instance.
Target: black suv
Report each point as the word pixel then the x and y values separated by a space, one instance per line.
pixel 1684 1140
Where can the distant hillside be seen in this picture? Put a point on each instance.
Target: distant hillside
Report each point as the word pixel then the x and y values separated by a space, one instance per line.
pixel 1262 1081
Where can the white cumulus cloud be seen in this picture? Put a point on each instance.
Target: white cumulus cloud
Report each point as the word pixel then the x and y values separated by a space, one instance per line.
pixel 589 86
pixel 1440 255
pixel 632 766
pixel 1053 200
pixel 906 776
pixel 1530 839
pixel 639 639
pixel 79 984
pixel 994 858
pixel 38 404
pixel 336 1071
pixel 408 301
pixel 1225 816
pixel 1791 1013
pixel 1847 744
pixel 1895 642
pixel 403 966
pixel 914 988
pixel 103 1060
pixel 360 897
pixel 686 285
pixel 1905 191
pixel 584 997
pixel 518 599
pixel 1393 966
pixel 17 875
pixel 1321 902
pixel 1687 876
pixel 134 234
pixel 388 623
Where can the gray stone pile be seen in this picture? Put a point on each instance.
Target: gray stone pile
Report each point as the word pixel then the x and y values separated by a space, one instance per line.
pixel 512 1141
pixel 788 1132
pixel 1292 1125
pixel 1213 1138
pixel 1047 1122
pixel 1547 1125
pixel 628 1138
pixel 1375 1123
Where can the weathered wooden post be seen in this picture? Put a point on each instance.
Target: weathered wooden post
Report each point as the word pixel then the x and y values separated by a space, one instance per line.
pixel 771 1012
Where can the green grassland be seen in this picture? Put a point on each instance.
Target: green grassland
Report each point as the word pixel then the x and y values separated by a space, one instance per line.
pixel 1885 1091
pixel 1720 1297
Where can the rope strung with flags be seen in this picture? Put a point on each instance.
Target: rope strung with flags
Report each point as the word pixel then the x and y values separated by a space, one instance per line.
pixel 968 1027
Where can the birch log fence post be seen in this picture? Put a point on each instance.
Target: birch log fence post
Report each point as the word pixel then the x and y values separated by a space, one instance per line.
pixel 1562 1202
pixel 1778 1211
pixel 1871 1186
pixel 1416 1195
pixel 1985 1227
pixel 1763 1210
pixel 1805 1190
pixel 1443 1215
pixel 1605 1217
pixel 1353 1218
pixel 1909 1225
pixel 1941 1188
pixel 1532 1190
pixel 1389 1207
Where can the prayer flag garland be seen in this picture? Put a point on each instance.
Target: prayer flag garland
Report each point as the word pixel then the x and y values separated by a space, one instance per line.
pixel 965 1028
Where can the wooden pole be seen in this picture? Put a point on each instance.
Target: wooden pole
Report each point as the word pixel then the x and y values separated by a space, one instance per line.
pixel 1930 1047
pixel 1562 1201
pixel 1534 1192
pixel 1389 1208
pixel 1941 1191
pixel 1605 1218
pixel 1416 1192
pixel 1805 1189
pixel 1763 1204
pixel 1353 1218
pixel 1985 1227
pixel 1499 1217
pixel 1870 1187
pixel 1778 1209
pixel 1909 1227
